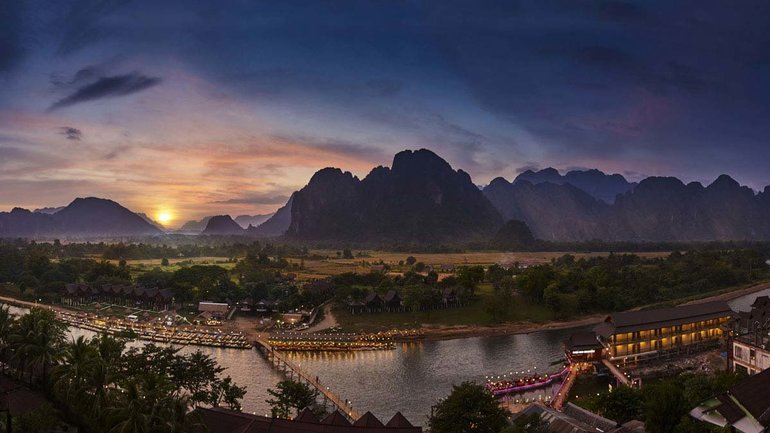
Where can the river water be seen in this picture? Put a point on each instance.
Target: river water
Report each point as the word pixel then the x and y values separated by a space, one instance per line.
pixel 410 378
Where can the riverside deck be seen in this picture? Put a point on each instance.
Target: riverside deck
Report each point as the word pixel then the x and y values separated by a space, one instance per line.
pixel 281 362
pixel 619 375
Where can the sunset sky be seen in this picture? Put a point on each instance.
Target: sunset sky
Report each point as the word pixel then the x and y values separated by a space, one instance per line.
pixel 203 107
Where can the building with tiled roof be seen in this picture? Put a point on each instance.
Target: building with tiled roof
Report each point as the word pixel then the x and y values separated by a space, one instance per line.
pixel 219 420
pixel 745 407
pixel 647 332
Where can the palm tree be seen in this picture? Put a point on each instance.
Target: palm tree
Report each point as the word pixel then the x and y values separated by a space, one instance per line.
pixel 37 341
pixel 71 375
pixel 129 414
pixel 7 322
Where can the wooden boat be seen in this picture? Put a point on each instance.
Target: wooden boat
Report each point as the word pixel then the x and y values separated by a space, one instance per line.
pixel 524 384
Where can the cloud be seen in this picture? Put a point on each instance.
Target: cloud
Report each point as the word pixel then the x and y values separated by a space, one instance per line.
pixel 108 87
pixel 264 198
pixel 85 74
pixel 82 25
pixel 10 33
pixel 530 166
pixel 384 87
pixel 71 133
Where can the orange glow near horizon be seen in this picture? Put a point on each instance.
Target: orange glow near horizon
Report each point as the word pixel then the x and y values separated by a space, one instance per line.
pixel 164 217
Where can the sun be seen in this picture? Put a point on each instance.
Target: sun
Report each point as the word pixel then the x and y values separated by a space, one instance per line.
pixel 164 217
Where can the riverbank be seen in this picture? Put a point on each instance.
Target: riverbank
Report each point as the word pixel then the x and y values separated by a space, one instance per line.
pixel 446 332
pixel 438 332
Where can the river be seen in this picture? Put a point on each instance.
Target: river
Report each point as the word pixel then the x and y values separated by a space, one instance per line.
pixel 410 378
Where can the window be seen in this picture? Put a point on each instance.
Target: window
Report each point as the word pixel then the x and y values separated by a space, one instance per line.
pixel 738 352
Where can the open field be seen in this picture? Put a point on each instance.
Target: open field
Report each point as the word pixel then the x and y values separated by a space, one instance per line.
pixel 465 316
pixel 319 268
pixel 172 261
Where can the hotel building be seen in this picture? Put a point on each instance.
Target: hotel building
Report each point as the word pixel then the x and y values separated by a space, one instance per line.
pixel 634 335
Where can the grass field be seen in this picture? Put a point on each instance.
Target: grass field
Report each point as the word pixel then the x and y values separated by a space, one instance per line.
pixel 320 268
pixel 471 314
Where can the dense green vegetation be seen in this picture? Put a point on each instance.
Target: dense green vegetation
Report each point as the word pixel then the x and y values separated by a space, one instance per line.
pixel 565 288
pixel 35 271
pixel 100 386
pixel 663 406
pixel 291 397
pixel 469 408
pixel 619 282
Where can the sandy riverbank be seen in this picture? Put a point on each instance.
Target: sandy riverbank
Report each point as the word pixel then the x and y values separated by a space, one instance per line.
pixel 434 332
pixel 248 325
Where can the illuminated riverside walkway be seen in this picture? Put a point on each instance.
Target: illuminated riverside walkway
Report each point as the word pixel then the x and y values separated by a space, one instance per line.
pixel 281 362
pixel 619 375
pixel 563 392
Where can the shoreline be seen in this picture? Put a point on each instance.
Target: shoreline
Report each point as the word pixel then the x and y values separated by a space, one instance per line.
pixel 447 332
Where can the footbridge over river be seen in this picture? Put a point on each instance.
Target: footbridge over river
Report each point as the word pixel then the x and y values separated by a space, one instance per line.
pixel 294 372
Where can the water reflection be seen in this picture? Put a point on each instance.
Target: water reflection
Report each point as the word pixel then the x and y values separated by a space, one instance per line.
pixel 413 376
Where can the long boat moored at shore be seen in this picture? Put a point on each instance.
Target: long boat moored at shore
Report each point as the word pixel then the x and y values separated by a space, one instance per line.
pixel 330 342
pixel 156 333
pixel 524 383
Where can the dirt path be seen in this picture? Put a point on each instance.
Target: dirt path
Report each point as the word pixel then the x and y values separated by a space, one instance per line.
pixel 327 322
pixel 436 332
pixel 732 294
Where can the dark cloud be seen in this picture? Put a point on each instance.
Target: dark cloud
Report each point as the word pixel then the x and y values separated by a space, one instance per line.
pixel 82 24
pixel 108 87
pixel 620 80
pixel 71 133
pixel 622 11
pixel 337 146
pixel 11 49
pixel 83 75
pixel 385 87
pixel 256 199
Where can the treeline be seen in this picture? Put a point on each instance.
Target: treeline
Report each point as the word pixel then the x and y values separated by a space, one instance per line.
pixel 100 386
pixel 155 249
pixel 417 291
pixel 39 274
pixel 621 281
pixel 663 406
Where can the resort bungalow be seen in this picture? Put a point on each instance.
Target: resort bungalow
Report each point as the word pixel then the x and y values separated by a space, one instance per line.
pixel 374 302
pixel 392 301
pixel 451 296
pixel 265 306
pixel 638 334
pixel 745 407
pixel 217 310
pixel 129 296
pixel 219 420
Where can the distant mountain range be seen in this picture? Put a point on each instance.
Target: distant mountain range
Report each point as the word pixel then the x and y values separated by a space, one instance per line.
pixel 84 217
pixel 422 199
pixel 198 226
pixel 604 187
pixel 222 225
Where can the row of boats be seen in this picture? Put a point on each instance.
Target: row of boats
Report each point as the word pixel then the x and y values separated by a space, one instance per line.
pixel 524 383
pixel 321 342
pixel 157 333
